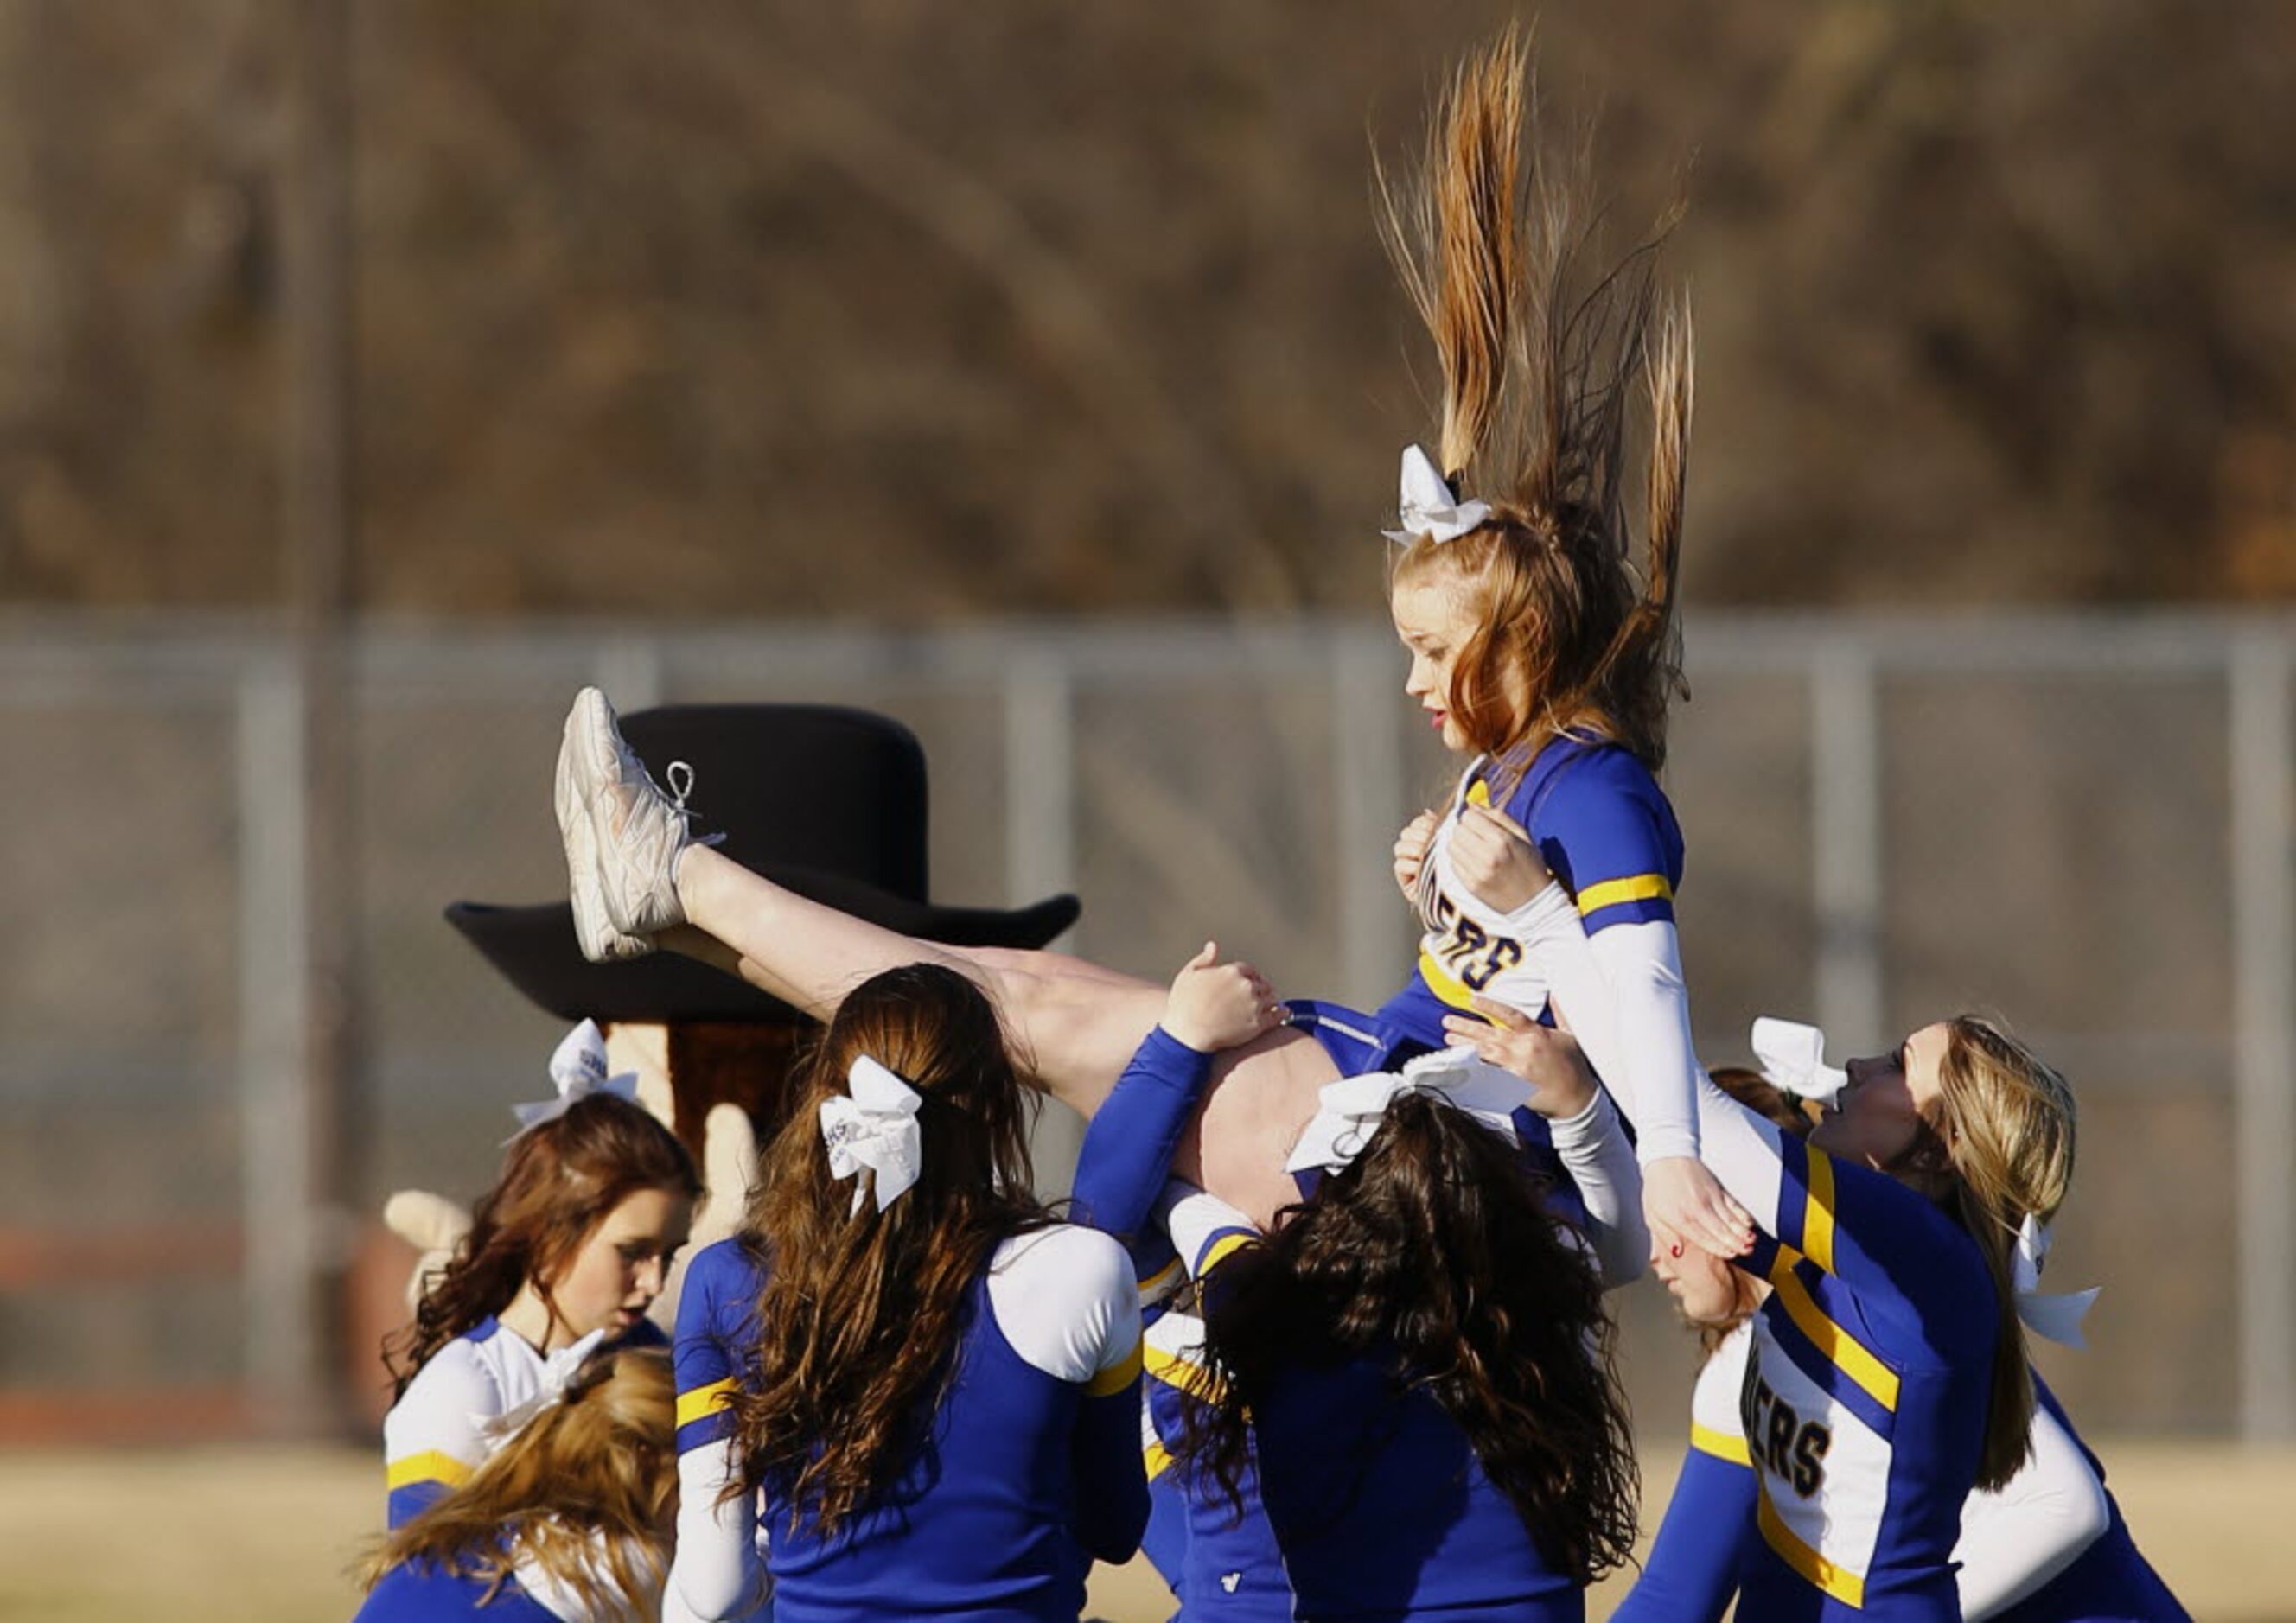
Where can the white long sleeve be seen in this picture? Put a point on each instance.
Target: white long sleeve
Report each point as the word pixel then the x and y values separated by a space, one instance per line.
pixel 1737 1144
pixel 1594 1150
pixel 1649 1054
pixel 718 1572
pixel 2016 1538
pixel 1642 963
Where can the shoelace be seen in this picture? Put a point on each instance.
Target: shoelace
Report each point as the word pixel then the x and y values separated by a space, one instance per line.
pixel 680 774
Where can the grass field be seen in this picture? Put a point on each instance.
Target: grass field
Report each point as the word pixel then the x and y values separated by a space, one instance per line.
pixel 264 1535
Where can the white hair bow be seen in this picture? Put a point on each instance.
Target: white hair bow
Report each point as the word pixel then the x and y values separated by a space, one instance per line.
pixel 875 1125
pixel 1793 1058
pixel 578 1068
pixel 558 1372
pixel 2058 1318
pixel 1349 1111
pixel 1429 506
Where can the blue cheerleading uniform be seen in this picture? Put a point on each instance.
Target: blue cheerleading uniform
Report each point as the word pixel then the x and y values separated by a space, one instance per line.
pixel 1706 1538
pixel 2109 1582
pixel 2049 1546
pixel 1220 1560
pixel 1031 1466
pixel 434 1436
pixel 422 1591
pixel 1378 1503
pixel 1229 1569
pixel 1605 830
pixel 1867 1394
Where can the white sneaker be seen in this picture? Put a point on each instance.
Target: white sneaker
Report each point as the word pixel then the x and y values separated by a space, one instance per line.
pixel 601 942
pixel 638 832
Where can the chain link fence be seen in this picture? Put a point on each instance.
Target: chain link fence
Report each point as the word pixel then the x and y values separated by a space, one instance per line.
pixel 2083 825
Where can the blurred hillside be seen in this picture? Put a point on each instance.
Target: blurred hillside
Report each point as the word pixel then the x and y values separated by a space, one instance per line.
pixel 918 310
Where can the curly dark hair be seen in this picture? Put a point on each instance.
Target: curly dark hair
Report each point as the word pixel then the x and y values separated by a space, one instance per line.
pixel 1435 1253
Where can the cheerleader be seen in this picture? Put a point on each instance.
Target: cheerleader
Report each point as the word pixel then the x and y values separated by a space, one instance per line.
pixel 1888 1376
pixel 1535 646
pixel 1256 1541
pixel 1414 1367
pixel 574 1239
pixel 570 1518
pixel 914 1389
pixel 2049 1546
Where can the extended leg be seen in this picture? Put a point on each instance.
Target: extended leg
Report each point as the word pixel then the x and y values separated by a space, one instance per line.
pixel 1072 1025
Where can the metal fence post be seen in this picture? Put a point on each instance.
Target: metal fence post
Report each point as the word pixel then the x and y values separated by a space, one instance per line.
pixel 276 1141
pixel 1040 843
pixel 1367 788
pixel 1846 841
pixel 2264 1024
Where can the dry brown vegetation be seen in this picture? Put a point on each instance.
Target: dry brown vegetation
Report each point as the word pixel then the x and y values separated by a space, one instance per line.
pixel 913 310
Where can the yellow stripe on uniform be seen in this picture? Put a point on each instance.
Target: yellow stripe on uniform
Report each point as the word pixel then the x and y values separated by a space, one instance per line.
pixel 1479 793
pixel 1721 1444
pixel 1220 1250
pixel 1116 1377
pixel 1444 984
pixel 1817 1212
pixel 703 1401
pixel 1178 1373
pixel 1157 1458
pixel 429 1466
pixel 1639 887
pixel 1840 1582
pixel 1162 1280
pixel 1845 1351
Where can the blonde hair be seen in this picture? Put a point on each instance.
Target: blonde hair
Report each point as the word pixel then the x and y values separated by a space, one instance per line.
pixel 1537 386
pixel 586 1491
pixel 2008 1122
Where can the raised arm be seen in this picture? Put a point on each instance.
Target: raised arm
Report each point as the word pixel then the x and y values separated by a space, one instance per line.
pixel 1127 1147
pixel 1501 879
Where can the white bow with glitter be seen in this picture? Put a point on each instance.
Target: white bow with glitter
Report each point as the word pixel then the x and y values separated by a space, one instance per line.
pixel 1349 1111
pixel 1793 1058
pixel 1428 506
pixel 578 1068
pixel 557 1374
pixel 2057 1318
pixel 875 1125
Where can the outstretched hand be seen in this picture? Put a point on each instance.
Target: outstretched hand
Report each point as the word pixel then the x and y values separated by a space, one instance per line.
pixel 1496 860
pixel 1561 1083
pixel 1679 1193
pixel 1217 1005
pixel 1682 1196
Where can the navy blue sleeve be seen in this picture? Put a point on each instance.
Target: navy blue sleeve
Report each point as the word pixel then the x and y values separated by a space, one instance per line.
pixel 1606 830
pixel 715 1326
pixel 1111 1476
pixel 1127 1147
pixel 1694 1565
pixel 1165 1541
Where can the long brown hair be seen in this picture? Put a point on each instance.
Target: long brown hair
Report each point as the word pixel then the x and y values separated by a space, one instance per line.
pixel 1538 381
pixel 861 1311
pixel 1435 1251
pixel 586 1490
pixel 2008 1125
pixel 559 1181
